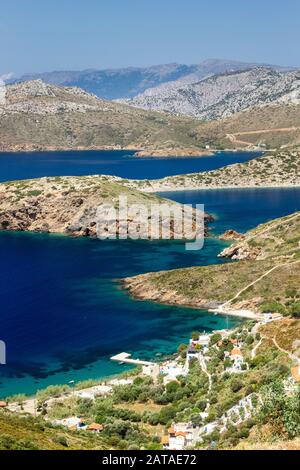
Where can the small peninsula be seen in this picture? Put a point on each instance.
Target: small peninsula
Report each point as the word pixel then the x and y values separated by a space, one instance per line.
pixel 265 278
pixel 69 205
pixel 272 170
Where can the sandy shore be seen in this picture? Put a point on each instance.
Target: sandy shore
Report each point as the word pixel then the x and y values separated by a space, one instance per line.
pixel 137 151
pixel 168 189
pixel 237 313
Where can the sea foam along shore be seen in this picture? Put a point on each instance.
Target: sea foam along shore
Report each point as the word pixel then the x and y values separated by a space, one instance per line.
pixel 160 188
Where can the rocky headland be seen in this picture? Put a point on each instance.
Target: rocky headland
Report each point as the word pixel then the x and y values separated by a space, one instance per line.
pixel 267 266
pixel 74 206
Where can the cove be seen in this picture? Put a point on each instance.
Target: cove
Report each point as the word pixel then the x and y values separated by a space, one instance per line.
pixel 63 313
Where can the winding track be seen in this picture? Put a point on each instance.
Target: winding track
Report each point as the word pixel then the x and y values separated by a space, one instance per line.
pixel 233 137
pixel 257 280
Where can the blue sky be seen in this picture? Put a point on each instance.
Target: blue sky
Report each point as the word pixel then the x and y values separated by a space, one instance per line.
pixel 76 34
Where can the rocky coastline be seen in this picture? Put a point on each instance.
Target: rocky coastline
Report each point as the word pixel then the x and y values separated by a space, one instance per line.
pixel 75 205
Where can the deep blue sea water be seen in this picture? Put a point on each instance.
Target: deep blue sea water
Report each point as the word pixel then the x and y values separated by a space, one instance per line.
pixel 63 313
pixel 120 163
pixel 241 209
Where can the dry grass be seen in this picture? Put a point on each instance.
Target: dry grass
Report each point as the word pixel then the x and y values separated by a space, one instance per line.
pixel 262 438
pixel 287 337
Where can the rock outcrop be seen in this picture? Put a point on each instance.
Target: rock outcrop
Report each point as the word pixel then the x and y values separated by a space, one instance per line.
pixel 232 235
pixel 241 252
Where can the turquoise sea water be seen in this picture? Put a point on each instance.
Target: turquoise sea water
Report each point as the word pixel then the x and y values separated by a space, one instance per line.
pixel 63 313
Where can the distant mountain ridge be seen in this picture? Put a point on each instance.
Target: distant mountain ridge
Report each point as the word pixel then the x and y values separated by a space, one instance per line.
pixel 40 116
pixel 222 95
pixel 131 81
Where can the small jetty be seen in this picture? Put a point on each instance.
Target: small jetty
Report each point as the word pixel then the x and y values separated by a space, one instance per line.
pixel 126 358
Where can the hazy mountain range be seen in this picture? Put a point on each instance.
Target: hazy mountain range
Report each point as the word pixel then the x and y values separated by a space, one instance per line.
pixel 131 81
pixel 224 94
pixel 41 116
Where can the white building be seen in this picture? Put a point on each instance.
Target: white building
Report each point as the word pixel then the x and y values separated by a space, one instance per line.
pixel 71 423
pixel 268 317
pixel 172 370
pixel 180 436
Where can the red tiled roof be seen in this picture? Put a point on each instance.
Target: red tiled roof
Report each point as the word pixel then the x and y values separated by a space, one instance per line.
pixel 236 352
pixel 95 427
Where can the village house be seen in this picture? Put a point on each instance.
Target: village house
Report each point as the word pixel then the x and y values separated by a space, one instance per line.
pixel 179 437
pixel 236 355
pixel 73 423
pixel 237 358
pixel 196 345
pixel 202 341
pixel 172 370
pixel 177 441
pixel 268 317
pixel 192 353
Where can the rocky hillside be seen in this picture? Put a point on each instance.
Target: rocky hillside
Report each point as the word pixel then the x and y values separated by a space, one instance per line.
pixel 131 81
pixel 39 116
pixel 279 238
pixel 274 169
pixel 220 96
pixel 269 270
pixel 71 205
pixel 28 433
